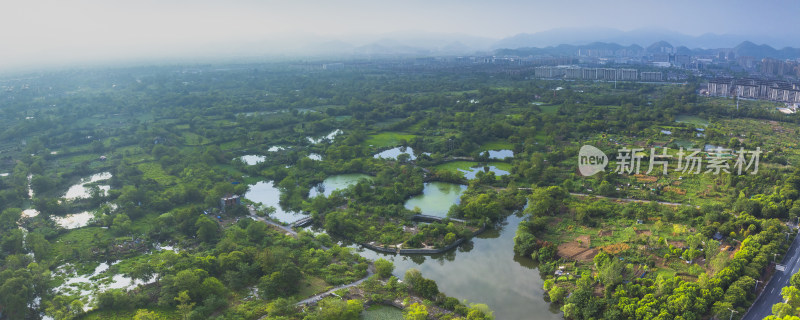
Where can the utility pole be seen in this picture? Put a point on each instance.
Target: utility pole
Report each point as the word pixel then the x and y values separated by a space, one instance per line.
pixel 732 311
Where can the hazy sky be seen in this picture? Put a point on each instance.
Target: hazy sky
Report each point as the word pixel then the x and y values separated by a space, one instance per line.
pixel 33 31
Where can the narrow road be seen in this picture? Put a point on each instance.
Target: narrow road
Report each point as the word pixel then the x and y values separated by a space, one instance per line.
pixel 318 297
pixel 270 222
pixel 771 294
pixel 314 298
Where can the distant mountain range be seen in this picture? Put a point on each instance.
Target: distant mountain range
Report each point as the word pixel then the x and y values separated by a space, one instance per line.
pixel 581 36
pixel 748 48
pixel 560 42
pixel 745 48
pixel 569 41
pixel 551 42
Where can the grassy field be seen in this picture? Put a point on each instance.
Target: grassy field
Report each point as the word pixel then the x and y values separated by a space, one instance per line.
pixel 466 165
pixel 230 145
pixel 192 139
pixel 549 109
pixel 382 312
pixel 153 170
pixel 78 240
pixel 502 165
pixel 310 286
pixel 497 145
pixel 695 120
pixel 387 139
pixel 455 165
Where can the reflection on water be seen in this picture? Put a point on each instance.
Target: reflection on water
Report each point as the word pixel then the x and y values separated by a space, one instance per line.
pixel 394 152
pixel 29 213
pixel 501 154
pixel 473 172
pixel 89 285
pixel 328 137
pixel 73 221
pixel 484 270
pixel 252 159
pixel 267 194
pixel 80 190
pixel 337 182
pixel 437 198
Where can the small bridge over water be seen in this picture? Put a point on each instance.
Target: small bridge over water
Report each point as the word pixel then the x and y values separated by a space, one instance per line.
pixel 428 218
pixel 302 222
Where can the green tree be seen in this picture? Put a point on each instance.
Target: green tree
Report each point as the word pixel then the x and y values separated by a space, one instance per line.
pixel 384 268
pixel 14 296
pixel 144 314
pixel 557 294
pixel 280 283
pixel 795 280
pixel 207 229
pixel 9 218
pixel 184 304
pixel 611 273
pixel 213 287
pixel 570 310
pixel 121 225
pixel 37 244
pixel 781 310
pixel 412 276
pixel 256 231
pixel 791 295
pixel 336 309
pixel 415 311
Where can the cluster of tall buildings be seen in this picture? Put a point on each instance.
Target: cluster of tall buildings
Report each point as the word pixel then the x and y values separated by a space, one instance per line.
pixel 607 74
pixel 780 68
pixel 773 90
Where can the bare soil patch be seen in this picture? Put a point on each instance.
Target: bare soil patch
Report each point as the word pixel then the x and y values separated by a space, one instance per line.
pixel 576 251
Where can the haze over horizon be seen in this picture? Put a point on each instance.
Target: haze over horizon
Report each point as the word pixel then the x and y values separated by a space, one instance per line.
pixel 50 32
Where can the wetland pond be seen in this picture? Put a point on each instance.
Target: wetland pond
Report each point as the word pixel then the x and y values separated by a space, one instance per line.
pixel 501 154
pixel 437 198
pixel 484 270
pixel 337 182
pixel 267 194
pixel 393 153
